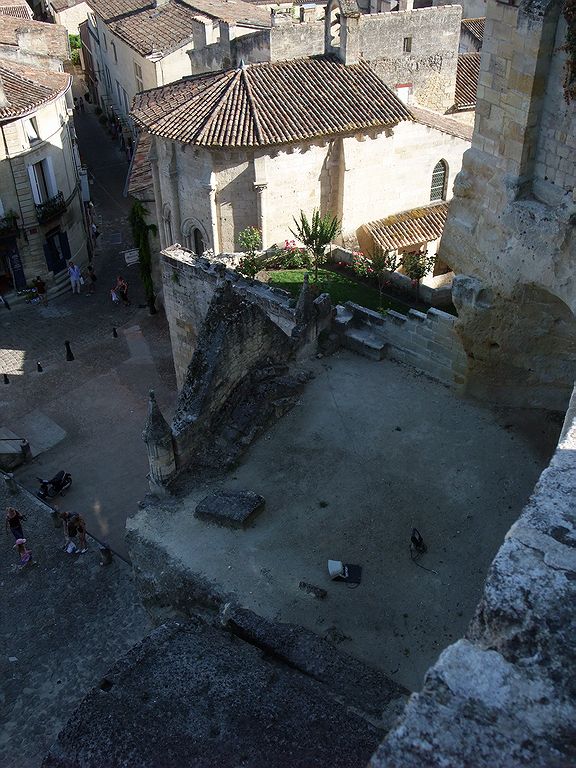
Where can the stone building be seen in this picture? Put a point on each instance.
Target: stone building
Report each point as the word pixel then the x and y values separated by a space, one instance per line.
pixel 69 13
pixel 141 44
pixel 511 222
pixel 41 210
pixel 255 145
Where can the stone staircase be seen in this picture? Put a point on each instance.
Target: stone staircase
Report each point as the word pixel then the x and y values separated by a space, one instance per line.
pixel 365 337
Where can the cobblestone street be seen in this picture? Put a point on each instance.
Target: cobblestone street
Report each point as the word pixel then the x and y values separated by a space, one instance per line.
pixel 64 621
pixel 87 415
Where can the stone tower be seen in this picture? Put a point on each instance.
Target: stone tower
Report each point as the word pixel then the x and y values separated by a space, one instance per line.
pixel 510 234
pixel 158 438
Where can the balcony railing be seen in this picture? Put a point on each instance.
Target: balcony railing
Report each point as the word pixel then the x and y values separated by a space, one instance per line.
pixel 9 225
pixel 51 208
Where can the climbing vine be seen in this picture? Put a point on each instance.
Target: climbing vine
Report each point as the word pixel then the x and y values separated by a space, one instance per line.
pixel 569 12
pixel 141 232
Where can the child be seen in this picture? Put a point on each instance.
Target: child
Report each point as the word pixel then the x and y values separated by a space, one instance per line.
pixel 24 553
pixel 40 286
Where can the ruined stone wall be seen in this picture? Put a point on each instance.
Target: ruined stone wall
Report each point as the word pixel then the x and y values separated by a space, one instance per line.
pixel 504 695
pixel 430 66
pixel 511 229
pixel 291 41
pixel 189 286
pixel 236 338
pixel 555 170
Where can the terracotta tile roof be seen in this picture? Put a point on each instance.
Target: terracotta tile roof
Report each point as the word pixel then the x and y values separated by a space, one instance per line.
pixel 156 30
pixel 420 225
pixel 62 5
pixel 467 73
pixel 41 38
pixel 149 30
pixel 18 9
pixel 475 27
pixel 26 88
pixel 442 123
pixel 233 11
pixel 270 103
pixel 140 173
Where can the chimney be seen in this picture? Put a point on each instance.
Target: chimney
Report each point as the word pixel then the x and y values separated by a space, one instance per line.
pixel 160 3
pixel 3 99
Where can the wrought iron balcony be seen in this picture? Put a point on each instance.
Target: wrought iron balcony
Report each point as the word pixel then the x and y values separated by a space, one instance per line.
pixel 9 225
pixel 54 206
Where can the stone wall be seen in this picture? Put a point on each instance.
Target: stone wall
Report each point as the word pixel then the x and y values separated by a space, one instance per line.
pixel 504 695
pixel 189 287
pixel 427 342
pixel 236 340
pixel 511 222
pixel 430 66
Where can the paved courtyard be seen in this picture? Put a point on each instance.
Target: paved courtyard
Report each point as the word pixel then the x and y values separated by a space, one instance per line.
pixel 371 450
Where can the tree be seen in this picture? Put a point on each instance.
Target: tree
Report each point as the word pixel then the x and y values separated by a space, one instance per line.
pixel 416 265
pixel 252 262
pixel 141 231
pixel 316 234
pixel 383 264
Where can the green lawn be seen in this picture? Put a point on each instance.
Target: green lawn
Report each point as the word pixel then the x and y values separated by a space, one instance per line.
pixel 340 288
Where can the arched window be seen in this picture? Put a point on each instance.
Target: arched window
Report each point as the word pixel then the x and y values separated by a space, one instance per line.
pixel 194 235
pixel 198 242
pixel 438 186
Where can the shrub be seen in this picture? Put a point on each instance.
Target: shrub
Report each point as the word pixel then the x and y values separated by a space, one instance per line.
pixel 290 257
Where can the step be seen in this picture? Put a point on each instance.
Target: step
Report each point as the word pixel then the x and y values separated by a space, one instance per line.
pixel 365 343
pixel 10 454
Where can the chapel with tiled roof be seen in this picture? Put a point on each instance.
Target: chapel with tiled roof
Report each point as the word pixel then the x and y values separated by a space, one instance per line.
pixel 255 144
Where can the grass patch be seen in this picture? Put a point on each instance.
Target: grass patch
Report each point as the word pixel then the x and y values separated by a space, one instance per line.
pixel 340 288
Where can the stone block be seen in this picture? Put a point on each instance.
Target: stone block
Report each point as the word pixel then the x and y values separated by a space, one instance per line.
pixel 232 509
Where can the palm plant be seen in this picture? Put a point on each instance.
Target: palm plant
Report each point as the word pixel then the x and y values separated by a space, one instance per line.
pixel 316 234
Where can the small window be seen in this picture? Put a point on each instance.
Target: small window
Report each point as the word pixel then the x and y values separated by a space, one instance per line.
pixel 105 42
pixel 31 129
pixel 407 45
pixel 138 77
pixel 438 186
pixel 114 52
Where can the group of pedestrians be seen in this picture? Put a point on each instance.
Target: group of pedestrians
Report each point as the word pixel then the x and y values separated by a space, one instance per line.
pixel 73 524
pixel 77 279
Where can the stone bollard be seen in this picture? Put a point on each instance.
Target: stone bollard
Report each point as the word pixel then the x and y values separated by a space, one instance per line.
pixel 10 483
pixel 105 555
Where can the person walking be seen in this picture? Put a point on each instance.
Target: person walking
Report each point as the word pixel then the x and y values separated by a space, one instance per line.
pixel 91 279
pixel 14 522
pixel 75 276
pixel 74 525
pixel 121 289
pixel 24 553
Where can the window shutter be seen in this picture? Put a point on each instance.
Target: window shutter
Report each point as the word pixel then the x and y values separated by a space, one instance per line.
pixel 34 184
pixel 50 177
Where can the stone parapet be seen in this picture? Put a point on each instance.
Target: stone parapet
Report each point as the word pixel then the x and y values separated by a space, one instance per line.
pixel 427 342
